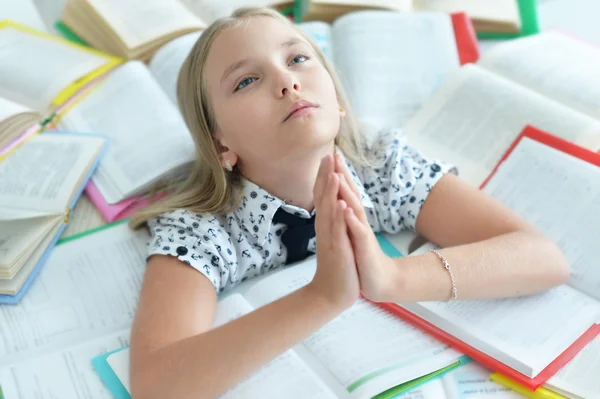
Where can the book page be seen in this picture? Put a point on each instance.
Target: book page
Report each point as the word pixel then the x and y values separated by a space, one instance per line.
pixel 284 377
pixel 209 10
pixel 553 64
pixel 496 10
pixel 508 329
pixel 66 373
pixel 9 108
pixel 149 138
pixel 84 217
pixel 472 381
pixel 391 63
pixel 580 375
pixel 88 288
pixel 44 172
pixel 401 5
pixel 476 115
pixel 22 80
pixel 167 61
pixel 357 361
pixel 23 12
pixel 570 216
pixel 577 17
pixel 137 23
pixel 320 32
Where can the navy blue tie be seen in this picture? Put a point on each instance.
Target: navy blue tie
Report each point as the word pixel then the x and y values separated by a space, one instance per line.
pixel 299 232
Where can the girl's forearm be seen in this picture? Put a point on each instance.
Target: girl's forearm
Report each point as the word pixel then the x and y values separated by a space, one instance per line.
pixel 512 264
pixel 206 365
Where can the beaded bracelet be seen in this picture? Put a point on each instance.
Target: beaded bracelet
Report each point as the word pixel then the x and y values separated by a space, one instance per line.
pixel 447 267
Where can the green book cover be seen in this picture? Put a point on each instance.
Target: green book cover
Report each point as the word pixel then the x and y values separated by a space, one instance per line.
pixel 1 394
pixel 68 34
pixel 529 22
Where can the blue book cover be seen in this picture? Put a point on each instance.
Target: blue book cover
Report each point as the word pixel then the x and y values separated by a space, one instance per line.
pixel 14 299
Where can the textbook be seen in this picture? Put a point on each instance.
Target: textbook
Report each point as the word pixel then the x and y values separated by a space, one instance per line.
pixel 84 300
pixel 404 58
pixel 32 96
pixel 129 29
pixel 528 339
pixel 151 143
pixel 41 182
pixel 547 80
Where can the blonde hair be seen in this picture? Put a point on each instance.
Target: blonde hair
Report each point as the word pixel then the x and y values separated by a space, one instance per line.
pixel 209 188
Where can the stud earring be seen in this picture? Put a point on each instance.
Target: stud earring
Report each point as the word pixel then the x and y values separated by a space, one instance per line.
pixel 341 110
pixel 228 165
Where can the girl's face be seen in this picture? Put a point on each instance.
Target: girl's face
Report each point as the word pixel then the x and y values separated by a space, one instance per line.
pixel 273 100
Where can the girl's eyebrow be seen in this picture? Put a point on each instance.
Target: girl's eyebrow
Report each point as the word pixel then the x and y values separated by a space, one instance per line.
pixel 232 68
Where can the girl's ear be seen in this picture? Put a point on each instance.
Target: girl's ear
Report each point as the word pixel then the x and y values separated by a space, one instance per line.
pixel 227 157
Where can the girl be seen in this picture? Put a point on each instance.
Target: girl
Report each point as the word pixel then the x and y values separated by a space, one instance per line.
pixel 279 157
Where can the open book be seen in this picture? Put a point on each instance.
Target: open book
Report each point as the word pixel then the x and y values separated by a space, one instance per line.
pixel 403 59
pixel 548 80
pixel 84 301
pixel 31 95
pixel 23 12
pixel 129 28
pixel 151 142
pixel 41 182
pixel 487 16
pixel 530 338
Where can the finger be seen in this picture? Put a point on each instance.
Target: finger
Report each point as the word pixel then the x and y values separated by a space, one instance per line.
pixel 340 166
pixel 322 179
pixel 339 223
pixel 353 201
pixel 358 231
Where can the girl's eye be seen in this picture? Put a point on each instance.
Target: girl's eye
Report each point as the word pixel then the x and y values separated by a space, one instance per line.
pixel 298 59
pixel 244 83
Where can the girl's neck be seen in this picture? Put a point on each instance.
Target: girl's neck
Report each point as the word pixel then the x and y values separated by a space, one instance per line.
pixel 291 180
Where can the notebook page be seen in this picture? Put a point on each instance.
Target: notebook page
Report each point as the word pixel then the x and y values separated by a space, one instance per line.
pixel 167 61
pixel 560 195
pixel 43 173
pixel 23 12
pixel 580 375
pixel 358 361
pixel 23 80
pixel 149 136
pixel 137 23
pixel 472 381
pixel 556 65
pixel 320 32
pixel 390 63
pixel 66 373
pixel 88 288
pixel 476 115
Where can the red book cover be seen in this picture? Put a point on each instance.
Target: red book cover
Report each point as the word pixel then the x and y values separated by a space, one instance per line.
pixel 477 355
pixel 466 40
